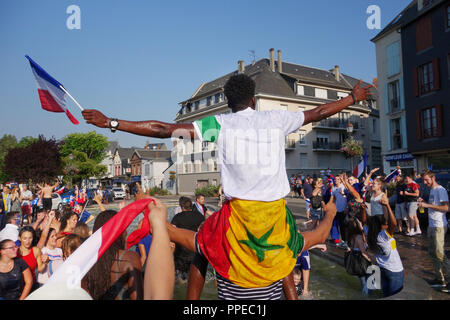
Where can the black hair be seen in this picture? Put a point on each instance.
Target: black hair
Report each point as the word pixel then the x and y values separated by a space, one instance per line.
pixel 48 235
pixel 186 203
pixel 352 229
pixel 239 90
pixel 3 244
pixel 199 195
pixel 10 215
pixel 375 224
pixel 67 214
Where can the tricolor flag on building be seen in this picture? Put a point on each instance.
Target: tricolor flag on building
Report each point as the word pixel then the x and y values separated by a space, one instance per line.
pixel 251 243
pixel 68 276
pixel 51 93
pixel 361 167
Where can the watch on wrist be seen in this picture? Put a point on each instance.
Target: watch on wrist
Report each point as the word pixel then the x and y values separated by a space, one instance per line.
pixel 113 125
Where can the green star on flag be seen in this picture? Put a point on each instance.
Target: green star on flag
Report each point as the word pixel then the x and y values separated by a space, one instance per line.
pixel 260 245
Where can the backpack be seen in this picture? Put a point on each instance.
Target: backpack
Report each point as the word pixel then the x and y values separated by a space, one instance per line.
pixel 316 202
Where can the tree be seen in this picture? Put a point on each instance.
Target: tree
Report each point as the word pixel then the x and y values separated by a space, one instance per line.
pixel 92 144
pixel 87 150
pixel 37 162
pixel 7 142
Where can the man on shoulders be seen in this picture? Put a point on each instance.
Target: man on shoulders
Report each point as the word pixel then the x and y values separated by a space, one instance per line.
pixel 437 205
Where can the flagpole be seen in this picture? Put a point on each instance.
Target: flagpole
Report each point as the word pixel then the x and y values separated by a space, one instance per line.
pixel 73 99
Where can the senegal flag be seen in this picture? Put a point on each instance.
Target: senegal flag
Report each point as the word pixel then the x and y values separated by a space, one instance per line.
pixel 251 243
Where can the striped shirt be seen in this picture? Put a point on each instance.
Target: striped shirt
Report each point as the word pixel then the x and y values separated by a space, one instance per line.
pixel 227 290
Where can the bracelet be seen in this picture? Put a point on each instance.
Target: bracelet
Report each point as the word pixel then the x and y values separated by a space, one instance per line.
pixel 353 96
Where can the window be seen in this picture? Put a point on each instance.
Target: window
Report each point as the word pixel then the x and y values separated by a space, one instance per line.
pixel 196 105
pixel 430 123
pixel 208 101
pixel 341 95
pixel 448 17
pixel 396 134
pixel 425 76
pixel 205 145
pixel 393 58
pixel 374 126
pixel 217 98
pixel 302 135
pixel 300 90
pixel 283 107
pixel 424 35
pixel 303 160
pixel 321 93
pixel 394 96
pixel 343 117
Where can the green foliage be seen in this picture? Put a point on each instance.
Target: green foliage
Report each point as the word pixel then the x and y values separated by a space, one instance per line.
pixel 390 189
pixel 208 191
pixel 92 144
pixel 7 142
pixel 26 141
pixel 158 191
pixel 38 161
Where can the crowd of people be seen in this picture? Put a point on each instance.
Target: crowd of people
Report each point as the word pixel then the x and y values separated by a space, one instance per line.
pixel 366 219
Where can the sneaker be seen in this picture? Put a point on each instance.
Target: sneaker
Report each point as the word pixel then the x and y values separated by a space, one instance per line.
pixel 437 283
pixel 418 232
pixel 410 234
pixel 446 289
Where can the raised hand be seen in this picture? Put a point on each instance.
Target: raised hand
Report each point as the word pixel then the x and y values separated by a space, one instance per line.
pixel 140 194
pixel 95 117
pixel 97 197
pixel 361 93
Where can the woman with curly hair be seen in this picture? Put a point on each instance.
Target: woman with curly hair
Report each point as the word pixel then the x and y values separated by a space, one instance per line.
pixel 117 274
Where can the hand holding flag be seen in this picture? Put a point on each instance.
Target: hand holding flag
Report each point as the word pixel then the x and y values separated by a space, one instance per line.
pixel 52 94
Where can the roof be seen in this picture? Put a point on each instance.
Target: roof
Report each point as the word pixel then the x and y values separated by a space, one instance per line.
pixel 153 154
pixel 275 83
pixel 126 153
pixel 113 145
pixel 406 16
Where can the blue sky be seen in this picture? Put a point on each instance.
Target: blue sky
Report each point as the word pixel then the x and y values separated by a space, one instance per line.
pixel 137 59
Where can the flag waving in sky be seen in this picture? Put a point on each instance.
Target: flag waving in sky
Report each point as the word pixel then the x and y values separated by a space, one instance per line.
pixel 51 93
pixel 361 167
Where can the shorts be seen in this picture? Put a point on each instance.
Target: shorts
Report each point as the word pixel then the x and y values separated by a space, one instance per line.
pixel 400 211
pixel 47 203
pixel 411 208
pixel 303 262
pixel 26 209
pixel 308 204
pixel 317 214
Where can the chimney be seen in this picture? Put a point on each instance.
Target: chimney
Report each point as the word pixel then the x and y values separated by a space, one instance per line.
pixel 241 67
pixel 337 73
pixel 272 59
pixel 280 62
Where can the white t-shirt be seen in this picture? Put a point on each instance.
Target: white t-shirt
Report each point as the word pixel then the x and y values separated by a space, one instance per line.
pixel 55 260
pixel 388 258
pixel 341 200
pixel 26 194
pixel 437 218
pixel 251 148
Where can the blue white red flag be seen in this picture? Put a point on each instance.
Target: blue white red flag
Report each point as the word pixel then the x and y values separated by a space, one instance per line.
pixel 52 97
pixel 361 167
pixel 393 174
pixel 59 190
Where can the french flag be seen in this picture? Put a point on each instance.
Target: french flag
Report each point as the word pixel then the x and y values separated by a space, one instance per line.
pixel 51 94
pixel 361 167
pixel 59 190
pixel 70 273
pixel 393 174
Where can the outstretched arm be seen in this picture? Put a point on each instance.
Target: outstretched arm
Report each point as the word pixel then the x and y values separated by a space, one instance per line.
pixel 327 110
pixel 150 128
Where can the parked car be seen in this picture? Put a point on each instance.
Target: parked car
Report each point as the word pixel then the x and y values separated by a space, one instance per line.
pixel 118 193
pixel 57 202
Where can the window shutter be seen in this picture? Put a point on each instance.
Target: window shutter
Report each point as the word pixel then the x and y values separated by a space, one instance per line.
pixel 418 125
pixel 389 138
pixel 436 74
pixel 415 82
pixel 439 120
pixel 401 94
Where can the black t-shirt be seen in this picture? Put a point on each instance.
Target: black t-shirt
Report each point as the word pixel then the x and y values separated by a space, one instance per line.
pixel 12 283
pixel 400 187
pixel 188 220
pixel 307 190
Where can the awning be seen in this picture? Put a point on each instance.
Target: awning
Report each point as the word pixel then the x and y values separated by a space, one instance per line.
pixel 135 178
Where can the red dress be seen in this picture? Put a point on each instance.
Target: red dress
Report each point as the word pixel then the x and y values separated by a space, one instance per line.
pixel 30 259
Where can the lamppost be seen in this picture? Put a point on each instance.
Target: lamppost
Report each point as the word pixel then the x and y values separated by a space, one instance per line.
pixel 350 131
pixel 71 171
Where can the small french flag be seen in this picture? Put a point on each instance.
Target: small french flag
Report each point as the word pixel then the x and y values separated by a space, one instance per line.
pixel 393 174
pixel 361 167
pixel 51 93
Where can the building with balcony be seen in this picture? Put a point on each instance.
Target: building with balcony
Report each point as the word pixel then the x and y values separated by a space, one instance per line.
pixel 413 65
pixel 281 86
